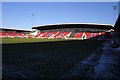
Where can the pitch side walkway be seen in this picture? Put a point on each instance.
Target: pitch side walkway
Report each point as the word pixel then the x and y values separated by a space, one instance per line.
pixel 104 63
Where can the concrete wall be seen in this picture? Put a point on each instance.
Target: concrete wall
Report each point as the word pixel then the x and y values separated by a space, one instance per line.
pixel 119 7
pixel 116 37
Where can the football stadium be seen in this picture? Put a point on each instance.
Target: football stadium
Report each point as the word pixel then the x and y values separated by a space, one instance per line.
pixel 65 50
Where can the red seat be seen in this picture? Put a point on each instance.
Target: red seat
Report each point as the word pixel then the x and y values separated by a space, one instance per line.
pixel 40 35
pixel 88 35
pixel 3 34
pixel 11 34
pixel 19 34
pixel 78 35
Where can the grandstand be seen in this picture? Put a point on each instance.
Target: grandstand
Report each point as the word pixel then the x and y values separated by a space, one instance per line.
pixel 13 33
pixel 61 31
pixel 73 31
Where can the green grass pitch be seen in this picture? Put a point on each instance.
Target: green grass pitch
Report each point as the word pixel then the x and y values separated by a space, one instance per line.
pixel 25 40
pixel 43 58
